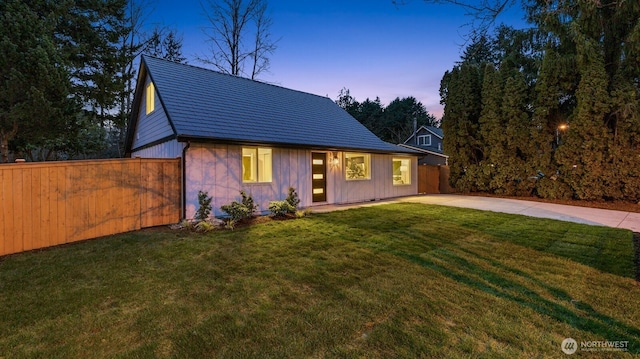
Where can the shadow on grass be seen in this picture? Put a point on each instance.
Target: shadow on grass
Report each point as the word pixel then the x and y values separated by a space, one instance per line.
pixel 449 260
pixel 492 283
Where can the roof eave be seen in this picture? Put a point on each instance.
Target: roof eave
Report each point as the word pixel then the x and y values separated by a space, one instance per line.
pixel 423 151
pixel 319 147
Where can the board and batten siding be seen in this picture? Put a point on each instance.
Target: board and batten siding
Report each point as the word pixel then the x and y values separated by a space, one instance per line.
pixel 168 149
pixel 380 186
pixel 217 169
pixel 153 126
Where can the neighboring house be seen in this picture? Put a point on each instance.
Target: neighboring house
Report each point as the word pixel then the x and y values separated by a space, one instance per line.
pixel 428 141
pixel 237 134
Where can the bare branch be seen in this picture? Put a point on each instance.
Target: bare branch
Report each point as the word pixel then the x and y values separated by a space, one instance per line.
pixel 238 31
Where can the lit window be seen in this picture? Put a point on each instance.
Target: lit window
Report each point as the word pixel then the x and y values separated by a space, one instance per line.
pixel 256 165
pixel 401 171
pixel 151 103
pixel 357 166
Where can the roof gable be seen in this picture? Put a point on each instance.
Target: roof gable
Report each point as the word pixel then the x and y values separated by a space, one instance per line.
pixel 425 130
pixel 203 104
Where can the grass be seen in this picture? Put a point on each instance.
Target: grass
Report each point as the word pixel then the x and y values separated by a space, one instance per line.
pixel 400 280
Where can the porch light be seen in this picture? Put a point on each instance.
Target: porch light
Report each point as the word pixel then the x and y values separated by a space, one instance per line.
pixel 334 159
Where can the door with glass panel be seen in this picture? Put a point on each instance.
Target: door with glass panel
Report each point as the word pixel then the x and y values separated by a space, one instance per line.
pixel 319 176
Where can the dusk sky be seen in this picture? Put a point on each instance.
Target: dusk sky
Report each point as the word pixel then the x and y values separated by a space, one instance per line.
pixel 371 47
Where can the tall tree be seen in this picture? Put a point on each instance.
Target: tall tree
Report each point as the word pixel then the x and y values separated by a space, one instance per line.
pixel 583 158
pixel 491 126
pixel 460 92
pixel 166 45
pixel 399 116
pixel 239 31
pixel 34 92
pixel 514 173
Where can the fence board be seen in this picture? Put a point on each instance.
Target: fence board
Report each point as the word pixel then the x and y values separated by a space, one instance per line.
pixel 18 217
pixel 433 179
pixel 51 203
pixel 428 179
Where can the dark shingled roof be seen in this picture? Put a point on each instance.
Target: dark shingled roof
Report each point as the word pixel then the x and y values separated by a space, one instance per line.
pixel 203 104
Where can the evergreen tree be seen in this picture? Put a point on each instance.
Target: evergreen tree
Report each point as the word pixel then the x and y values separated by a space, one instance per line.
pixel 168 47
pixel 554 105
pixel 514 173
pixel 34 99
pixel 583 158
pixel 370 114
pixel 491 126
pixel 460 91
pixel 398 117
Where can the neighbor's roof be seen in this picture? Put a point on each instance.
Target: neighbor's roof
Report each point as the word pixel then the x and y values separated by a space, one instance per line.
pixel 435 130
pixel 203 104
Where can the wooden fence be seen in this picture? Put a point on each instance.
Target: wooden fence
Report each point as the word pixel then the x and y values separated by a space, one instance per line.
pixel 50 203
pixel 433 179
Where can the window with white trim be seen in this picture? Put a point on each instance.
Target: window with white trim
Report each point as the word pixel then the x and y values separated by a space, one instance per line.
pixel 401 171
pixel 424 140
pixel 357 166
pixel 256 165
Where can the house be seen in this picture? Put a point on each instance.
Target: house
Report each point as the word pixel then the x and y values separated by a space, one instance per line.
pixel 428 141
pixel 237 134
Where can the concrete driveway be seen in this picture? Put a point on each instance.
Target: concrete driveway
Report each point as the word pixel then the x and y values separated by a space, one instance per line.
pixel 592 216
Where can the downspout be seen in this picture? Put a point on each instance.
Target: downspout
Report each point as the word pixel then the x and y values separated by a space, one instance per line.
pixel 184 179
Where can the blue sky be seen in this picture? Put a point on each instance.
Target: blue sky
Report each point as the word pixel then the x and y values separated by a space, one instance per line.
pixel 371 47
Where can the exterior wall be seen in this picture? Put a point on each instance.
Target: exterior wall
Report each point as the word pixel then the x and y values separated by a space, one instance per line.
pixel 380 186
pixel 433 160
pixel 169 149
pixel 436 142
pixel 217 169
pixel 153 126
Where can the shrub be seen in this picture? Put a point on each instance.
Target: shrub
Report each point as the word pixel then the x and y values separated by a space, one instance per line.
pixel 230 224
pixel 204 209
pixel 281 208
pixel 237 210
pixel 204 226
pixel 292 198
pixel 247 201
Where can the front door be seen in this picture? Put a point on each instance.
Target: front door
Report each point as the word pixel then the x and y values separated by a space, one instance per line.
pixel 319 176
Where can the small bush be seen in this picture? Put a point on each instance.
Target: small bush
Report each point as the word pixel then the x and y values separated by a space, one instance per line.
pixel 230 224
pixel 239 211
pixel 236 210
pixel 292 198
pixel 281 208
pixel 204 209
pixel 204 227
pixel 247 201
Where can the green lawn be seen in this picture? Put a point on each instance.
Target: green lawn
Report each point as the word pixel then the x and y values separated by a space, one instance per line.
pixel 399 280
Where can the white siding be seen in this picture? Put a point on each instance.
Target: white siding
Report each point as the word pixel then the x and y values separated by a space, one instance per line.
pixel 380 186
pixel 217 169
pixel 169 149
pixel 153 126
